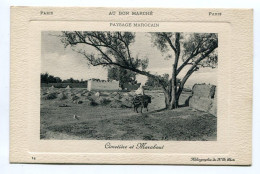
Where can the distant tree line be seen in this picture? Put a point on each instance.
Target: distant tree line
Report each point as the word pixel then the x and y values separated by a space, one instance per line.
pixel 46 78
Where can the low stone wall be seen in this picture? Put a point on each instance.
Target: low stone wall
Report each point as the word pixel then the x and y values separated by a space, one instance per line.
pixel 204 98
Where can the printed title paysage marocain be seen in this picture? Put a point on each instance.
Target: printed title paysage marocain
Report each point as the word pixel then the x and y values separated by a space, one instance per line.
pixel 131 24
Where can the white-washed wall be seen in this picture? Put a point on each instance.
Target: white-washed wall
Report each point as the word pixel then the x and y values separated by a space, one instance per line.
pixel 107 86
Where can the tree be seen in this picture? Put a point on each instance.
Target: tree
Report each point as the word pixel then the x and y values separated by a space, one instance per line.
pixel 155 83
pixel 70 80
pixel 122 75
pixel 44 77
pixel 196 50
pixel 58 80
pixel 112 49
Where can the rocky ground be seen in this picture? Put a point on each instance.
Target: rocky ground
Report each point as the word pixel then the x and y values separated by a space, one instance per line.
pixel 80 114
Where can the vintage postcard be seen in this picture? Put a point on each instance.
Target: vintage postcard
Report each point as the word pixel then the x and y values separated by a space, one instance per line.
pixel 131 86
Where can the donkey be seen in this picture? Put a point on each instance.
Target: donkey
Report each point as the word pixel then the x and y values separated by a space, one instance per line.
pixel 141 101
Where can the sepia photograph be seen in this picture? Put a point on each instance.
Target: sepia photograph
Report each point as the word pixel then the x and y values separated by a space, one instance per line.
pixel 114 85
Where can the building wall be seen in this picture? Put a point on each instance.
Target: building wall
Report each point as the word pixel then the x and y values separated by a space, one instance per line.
pixel 106 86
pixel 204 98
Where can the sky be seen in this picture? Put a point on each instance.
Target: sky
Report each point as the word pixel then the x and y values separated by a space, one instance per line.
pixel 66 63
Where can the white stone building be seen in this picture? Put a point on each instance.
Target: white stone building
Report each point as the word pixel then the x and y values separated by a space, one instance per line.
pixel 103 85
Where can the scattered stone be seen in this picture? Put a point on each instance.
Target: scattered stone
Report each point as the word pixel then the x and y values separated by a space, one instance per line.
pixel 50 96
pixel 127 104
pixel 93 103
pixel 115 104
pixel 62 96
pixel 104 101
pixel 126 94
pixel 76 117
pixel 105 94
pixel 75 98
pixel 64 105
pixel 80 102
pixel 117 96
pixel 97 94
